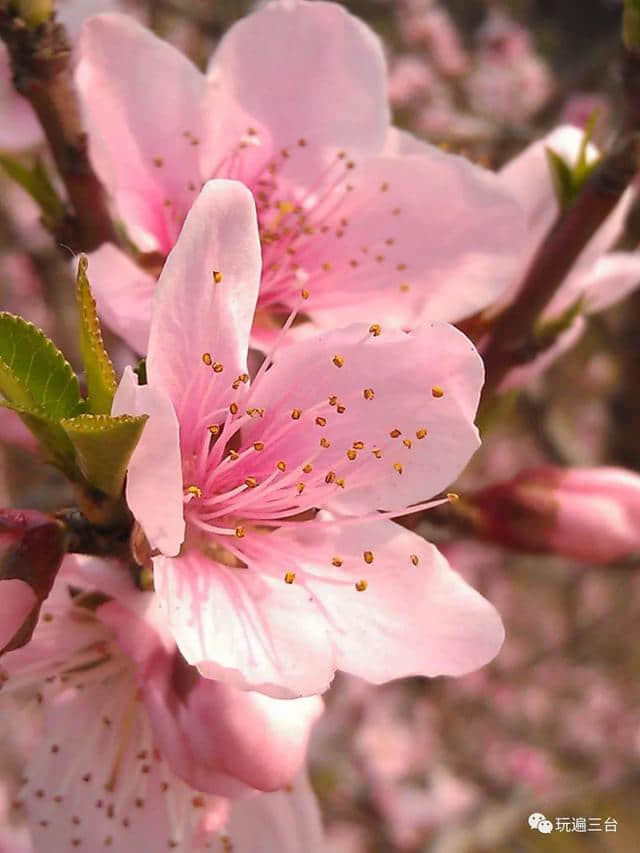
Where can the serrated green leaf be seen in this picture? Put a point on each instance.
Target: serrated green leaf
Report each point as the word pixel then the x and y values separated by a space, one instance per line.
pixel 99 372
pixel 103 445
pixel 52 438
pixel 34 374
pixel 35 181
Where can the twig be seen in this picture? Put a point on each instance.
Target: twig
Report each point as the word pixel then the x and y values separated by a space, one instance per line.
pixel 41 65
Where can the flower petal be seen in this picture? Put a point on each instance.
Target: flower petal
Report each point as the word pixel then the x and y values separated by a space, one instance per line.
pixel 17 601
pixel 205 301
pixel 414 617
pixel 389 413
pixel 413 227
pixel 123 292
pixel 286 821
pixel 247 629
pixel 141 99
pixel 154 480
pixel 269 62
pixel 613 277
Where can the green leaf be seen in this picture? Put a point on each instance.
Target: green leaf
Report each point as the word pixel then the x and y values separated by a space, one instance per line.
pixel 561 176
pixel 103 445
pixel 99 372
pixel 569 179
pixel 34 374
pixel 35 181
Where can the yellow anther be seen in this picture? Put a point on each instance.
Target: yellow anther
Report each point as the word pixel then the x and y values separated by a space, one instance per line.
pixel 255 412
pixel 258 445
pixel 340 482
pixel 326 266
pixel 401 267
pixel 217 276
pixel 218 367
pixel 420 433
pixel 304 293
pixel 384 187
pixel 234 455
pixel 377 452
pixel 406 442
pixel 324 442
pixel 308 468
pixel 300 488
pixel 358 445
pixel 395 433
pixel 289 577
pixel 251 482
pixel 351 454
pixel 337 562
pixel 369 393
pixel 285 207
pixel 302 142
pixel 361 585
pixel 338 360
pixel 214 429
pixel 331 477
pixel 437 391
pixel 158 161
pixel 404 287
pixel 196 491
pixel 295 414
pixel 368 557
pixel 375 329
pixel 452 497
pixel 414 559
pixel 398 467
pixel 333 400
pixel 340 409
pixel 244 377
pixel 239 531
pixel 233 408
pixel 206 357
pixel 321 421
pixel 281 466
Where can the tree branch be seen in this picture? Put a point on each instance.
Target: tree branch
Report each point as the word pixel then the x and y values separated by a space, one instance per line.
pixel 42 72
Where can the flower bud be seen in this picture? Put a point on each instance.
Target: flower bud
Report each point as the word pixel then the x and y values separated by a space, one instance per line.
pixel 31 549
pixel 587 514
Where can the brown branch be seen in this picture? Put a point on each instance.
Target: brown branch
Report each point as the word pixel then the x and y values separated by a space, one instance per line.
pixel 42 72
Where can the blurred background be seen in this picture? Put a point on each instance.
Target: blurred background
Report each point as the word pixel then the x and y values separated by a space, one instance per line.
pixel 552 726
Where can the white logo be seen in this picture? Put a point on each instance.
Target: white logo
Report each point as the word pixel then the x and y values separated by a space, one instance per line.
pixel 538 821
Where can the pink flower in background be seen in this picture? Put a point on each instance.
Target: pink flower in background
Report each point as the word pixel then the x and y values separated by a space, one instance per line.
pixel 136 747
pixel 348 207
pixel 267 591
pixel 589 514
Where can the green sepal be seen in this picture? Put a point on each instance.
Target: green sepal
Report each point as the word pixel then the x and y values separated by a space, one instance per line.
pixel 35 181
pixel 103 445
pixel 99 372
pixel 34 374
pixel 568 180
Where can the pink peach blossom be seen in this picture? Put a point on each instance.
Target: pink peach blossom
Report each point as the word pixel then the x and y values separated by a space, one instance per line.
pixel 588 514
pixel 348 208
pixel 287 570
pixel 134 745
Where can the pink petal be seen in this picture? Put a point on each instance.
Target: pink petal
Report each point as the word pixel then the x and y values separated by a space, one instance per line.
pixel 269 63
pixel 196 321
pixel 415 617
pixel 123 293
pixel 17 600
pixel 141 99
pixel 287 821
pixel 417 224
pixel 19 127
pixel 249 630
pixel 386 384
pixel 613 277
pixel 154 480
